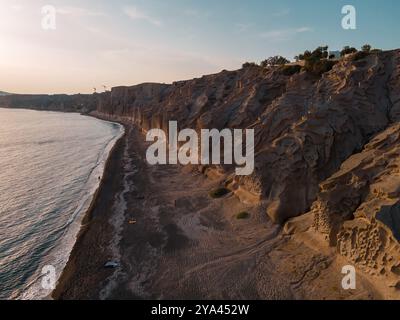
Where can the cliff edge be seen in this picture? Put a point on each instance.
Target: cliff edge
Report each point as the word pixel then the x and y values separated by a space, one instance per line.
pixel 325 145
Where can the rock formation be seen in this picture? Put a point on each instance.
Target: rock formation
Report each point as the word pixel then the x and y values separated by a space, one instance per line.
pixel 309 132
pixel 328 144
pixel 358 207
pixel 305 126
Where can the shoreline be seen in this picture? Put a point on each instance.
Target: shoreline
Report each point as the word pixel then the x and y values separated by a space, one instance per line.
pixel 88 215
pixel 85 202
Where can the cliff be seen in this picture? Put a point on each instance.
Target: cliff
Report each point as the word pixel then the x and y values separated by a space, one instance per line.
pixel 305 126
pixel 325 145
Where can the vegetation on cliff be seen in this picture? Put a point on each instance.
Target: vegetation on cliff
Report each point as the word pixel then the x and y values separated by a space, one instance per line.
pixel 316 62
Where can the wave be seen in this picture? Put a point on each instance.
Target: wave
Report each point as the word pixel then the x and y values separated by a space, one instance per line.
pixel 59 254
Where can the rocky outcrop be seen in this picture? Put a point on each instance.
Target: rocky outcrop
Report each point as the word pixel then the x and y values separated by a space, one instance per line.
pixel 305 126
pixel 358 208
pixel 330 145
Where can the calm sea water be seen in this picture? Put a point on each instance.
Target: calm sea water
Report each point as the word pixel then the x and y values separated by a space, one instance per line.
pixel 50 164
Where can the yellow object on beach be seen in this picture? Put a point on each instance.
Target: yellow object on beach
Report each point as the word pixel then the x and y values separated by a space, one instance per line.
pixel 133 221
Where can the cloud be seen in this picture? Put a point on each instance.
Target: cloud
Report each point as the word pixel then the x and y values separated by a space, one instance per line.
pixel 78 12
pixel 135 14
pixel 284 34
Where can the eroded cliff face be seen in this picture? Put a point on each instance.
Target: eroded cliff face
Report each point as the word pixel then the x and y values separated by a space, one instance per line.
pixel 305 126
pixel 358 208
pixel 328 144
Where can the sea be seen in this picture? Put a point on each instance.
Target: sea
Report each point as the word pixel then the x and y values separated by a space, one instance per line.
pixel 51 164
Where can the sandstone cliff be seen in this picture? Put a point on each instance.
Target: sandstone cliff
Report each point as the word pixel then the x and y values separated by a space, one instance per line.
pixel 327 144
pixel 305 126
pixel 358 207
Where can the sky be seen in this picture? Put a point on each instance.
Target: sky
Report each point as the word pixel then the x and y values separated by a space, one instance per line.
pixel 126 42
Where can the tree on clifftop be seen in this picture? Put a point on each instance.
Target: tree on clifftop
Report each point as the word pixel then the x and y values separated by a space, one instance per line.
pixel 316 62
pixel 347 50
pixel 249 65
pixel 366 48
pixel 274 61
pixel 319 53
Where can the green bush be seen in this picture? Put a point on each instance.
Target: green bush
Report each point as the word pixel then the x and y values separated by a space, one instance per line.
pixel 315 62
pixel 218 193
pixel 347 50
pixel 249 65
pixel 274 61
pixel 290 70
pixel 242 215
pixel 318 67
pixel 366 48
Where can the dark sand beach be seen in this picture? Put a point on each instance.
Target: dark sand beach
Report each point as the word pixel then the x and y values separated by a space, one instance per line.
pixel 186 245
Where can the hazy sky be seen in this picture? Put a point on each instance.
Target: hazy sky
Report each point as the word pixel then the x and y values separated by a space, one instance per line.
pixel 123 42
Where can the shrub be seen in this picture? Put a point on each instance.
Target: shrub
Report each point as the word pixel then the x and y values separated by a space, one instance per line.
pixel 347 50
pixel 366 48
pixel 274 61
pixel 218 193
pixel 290 70
pixel 316 62
pixel 306 55
pixel 319 53
pixel 249 65
pixel 319 67
pixel 242 215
